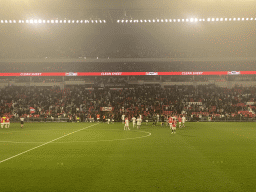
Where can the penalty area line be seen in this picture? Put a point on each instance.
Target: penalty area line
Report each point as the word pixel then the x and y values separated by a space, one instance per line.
pixel 44 144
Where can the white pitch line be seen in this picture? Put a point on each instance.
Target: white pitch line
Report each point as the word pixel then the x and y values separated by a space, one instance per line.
pixel 44 144
pixel 129 138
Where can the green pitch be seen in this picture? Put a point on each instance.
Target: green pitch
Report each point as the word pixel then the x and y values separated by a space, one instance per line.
pixel 101 157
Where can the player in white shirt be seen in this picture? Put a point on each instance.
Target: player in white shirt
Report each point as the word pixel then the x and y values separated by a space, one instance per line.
pixel 183 120
pixel 139 120
pixel 134 122
pixel 126 125
pixel 21 122
pixel 123 118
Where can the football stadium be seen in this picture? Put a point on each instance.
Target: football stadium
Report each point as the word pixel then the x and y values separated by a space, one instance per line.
pixel 138 95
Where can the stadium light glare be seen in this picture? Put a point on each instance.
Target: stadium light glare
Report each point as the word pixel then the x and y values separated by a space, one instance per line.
pixel 162 20
pixel 52 21
pixel 221 19
pixel 104 21
pixel 230 19
pixel 166 20
pixel 2 21
pixel 56 21
pixel 226 19
pixel 35 21
pixel 14 21
pixel 69 21
pixel 149 21
pixel 251 19
pixel 154 20
pixel 213 19
pixel 122 21
pixel 209 19
pixel 126 21
pixel 10 21
pixel 19 21
pixel 170 20
pixel 118 21
pixel 183 20
pixel 6 21
pixel 31 21
pixel 81 21
pixel 157 20
pixel 234 19
pixel 247 19
pixel 44 21
pixel 217 19
pixel 39 21
pixel 200 20
pixel 174 20
pixel 61 21
pixel 191 19
pixel 238 19
pixel 141 21
pixel 203 19
pixel 178 20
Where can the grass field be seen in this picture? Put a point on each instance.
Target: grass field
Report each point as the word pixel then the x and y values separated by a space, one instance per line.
pixel 101 157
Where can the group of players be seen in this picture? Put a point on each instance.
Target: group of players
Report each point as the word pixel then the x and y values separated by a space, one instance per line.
pixel 172 121
pixel 5 122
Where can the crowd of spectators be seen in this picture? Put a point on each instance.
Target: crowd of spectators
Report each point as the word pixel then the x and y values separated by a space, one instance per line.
pixel 202 101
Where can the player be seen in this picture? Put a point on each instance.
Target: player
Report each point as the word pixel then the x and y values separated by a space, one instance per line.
pixel 126 125
pixel 179 119
pixel 2 122
pixel 173 126
pixel 170 121
pixel 123 118
pixel 21 122
pixel 162 120
pixel 139 120
pixel 7 122
pixel 98 117
pixel 183 119
pixel 134 121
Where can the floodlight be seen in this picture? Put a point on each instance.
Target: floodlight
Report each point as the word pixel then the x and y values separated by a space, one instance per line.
pixel 104 21
pixel 217 19
pixel 122 21
pixel 247 19
pixel 238 19
pixel 203 19
pixel 77 21
pixel 183 20
pixel 191 20
pixel 149 21
pixel 208 19
pixel 14 21
pixel 242 19
pixel 154 20
pixel 226 19
pixel 6 21
pixel 69 21
pixel 162 20
pixel 118 21
pixel 221 19
pixel 19 21
pixel 81 21
pixel 166 20
pixel 187 20
pixel 196 19
pixel 39 21
pixel 234 19
pixel 251 19
pixel 178 20
pixel 10 21
pixel 73 21
pixel 100 21
pixel 141 21
pixel 96 21
pixel 200 19
pixel 174 20
pixel 31 21
pixel 170 20
pixel 157 20
pixel 213 19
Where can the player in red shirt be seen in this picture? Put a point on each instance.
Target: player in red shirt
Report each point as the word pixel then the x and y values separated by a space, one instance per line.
pixel 170 120
pixel 2 122
pixel 174 126
pixel 179 119
pixel 7 122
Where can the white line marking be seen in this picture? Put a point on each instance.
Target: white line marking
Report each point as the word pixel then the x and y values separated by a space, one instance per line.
pixel 44 144
pixel 149 134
